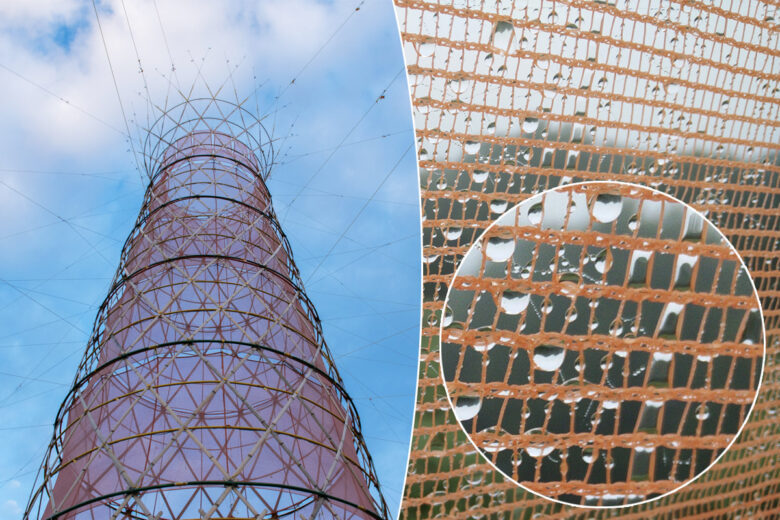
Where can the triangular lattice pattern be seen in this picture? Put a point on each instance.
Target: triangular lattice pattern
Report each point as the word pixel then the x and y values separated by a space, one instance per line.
pixel 207 390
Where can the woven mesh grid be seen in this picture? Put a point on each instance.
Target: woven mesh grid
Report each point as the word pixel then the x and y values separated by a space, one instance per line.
pixel 512 98
pixel 602 344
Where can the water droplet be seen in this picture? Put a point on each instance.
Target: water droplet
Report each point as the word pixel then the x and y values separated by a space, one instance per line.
pixel 498 206
pixel 548 357
pixel 610 405
pixel 483 344
pixel 449 317
pixel 669 318
pixel 535 214
pixel 633 223
pixel 471 147
pixel 500 249
pixel 453 233
pixel 426 49
pixel 467 407
pixel 503 33
pixel 607 207
pixel 538 449
pixel 603 261
pixel 514 302
pixel 530 124
pixel 662 357
pixel 479 176
pixel 702 412
pixel 587 455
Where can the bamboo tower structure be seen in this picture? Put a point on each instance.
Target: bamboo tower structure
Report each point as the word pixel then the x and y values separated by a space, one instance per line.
pixel 207 390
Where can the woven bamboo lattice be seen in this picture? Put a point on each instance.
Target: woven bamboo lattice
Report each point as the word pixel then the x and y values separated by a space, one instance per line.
pixel 207 390
pixel 512 98
pixel 602 344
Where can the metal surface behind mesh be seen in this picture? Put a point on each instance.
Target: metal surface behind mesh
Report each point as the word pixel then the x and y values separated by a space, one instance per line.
pixel 207 390
pixel 511 98
pixel 602 344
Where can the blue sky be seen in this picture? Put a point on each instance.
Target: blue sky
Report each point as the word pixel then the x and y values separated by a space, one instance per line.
pixel 69 189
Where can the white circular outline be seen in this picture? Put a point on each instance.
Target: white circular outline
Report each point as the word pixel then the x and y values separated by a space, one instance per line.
pixel 755 294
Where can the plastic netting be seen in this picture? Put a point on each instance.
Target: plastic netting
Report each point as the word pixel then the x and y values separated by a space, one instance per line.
pixel 601 344
pixel 512 98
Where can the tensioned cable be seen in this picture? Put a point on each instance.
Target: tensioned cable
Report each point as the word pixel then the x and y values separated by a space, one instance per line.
pixel 118 95
pixel 66 101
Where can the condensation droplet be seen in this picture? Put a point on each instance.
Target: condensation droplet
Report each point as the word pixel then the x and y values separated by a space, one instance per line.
pixel 514 302
pixel 449 317
pixel 548 357
pixel 471 147
pixel 633 223
pixel 500 249
pixel 535 214
pixel 467 407
pixel 479 176
pixel 607 207
pixel 530 124
pixel 453 233
pixel 538 449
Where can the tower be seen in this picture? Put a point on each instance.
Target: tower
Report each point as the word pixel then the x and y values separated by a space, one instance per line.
pixel 207 390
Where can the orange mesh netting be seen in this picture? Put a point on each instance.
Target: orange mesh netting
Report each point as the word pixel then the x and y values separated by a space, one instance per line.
pixel 602 344
pixel 512 98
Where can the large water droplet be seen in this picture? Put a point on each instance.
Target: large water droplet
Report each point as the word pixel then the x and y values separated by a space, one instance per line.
pixel 498 206
pixel 633 223
pixel 453 233
pixel 514 302
pixel 479 176
pixel 503 33
pixel 548 357
pixel 538 449
pixel 587 455
pixel 607 207
pixel 449 317
pixel 603 261
pixel 500 249
pixel 467 407
pixel 471 147
pixel 669 318
pixel 483 344
pixel 530 124
pixel 535 214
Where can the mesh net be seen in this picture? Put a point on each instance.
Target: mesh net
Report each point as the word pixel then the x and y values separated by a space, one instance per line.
pixel 512 98
pixel 602 344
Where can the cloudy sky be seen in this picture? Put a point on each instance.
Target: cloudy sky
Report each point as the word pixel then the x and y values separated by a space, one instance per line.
pixel 70 189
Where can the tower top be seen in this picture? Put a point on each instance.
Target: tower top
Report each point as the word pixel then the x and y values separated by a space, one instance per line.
pixel 204 125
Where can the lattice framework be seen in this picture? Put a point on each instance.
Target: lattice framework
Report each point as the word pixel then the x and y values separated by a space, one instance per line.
pixel 207 389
